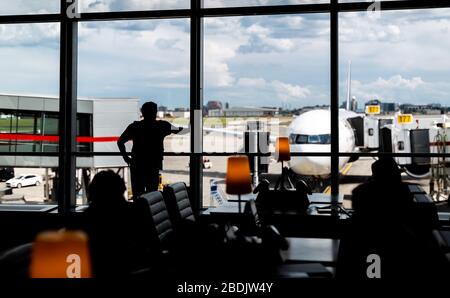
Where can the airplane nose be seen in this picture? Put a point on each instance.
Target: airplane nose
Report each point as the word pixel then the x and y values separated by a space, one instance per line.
pixel 311 165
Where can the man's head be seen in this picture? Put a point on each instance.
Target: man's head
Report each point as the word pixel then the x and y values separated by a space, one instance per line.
pixel 149 110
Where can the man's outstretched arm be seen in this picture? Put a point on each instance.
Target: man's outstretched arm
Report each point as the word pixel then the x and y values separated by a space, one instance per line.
pixel 175 129
pixel 125 137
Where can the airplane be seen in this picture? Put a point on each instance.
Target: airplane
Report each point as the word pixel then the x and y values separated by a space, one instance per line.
pixel 311 132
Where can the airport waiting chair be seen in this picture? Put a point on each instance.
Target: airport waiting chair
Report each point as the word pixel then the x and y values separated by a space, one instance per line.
pixel 177 200
pixel 442 240
pixel 15 262
pixel 151 205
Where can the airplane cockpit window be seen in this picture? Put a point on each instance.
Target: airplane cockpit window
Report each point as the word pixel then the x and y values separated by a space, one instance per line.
pixel 310 139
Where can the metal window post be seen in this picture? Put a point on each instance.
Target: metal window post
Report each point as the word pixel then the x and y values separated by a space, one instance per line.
pixel 196 105
pixel 334 104
pixel 67 111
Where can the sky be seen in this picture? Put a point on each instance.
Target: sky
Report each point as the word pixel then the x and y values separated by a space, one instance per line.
pixel 248 61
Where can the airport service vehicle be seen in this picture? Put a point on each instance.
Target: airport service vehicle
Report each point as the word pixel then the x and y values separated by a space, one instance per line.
pixel 6 173
pixel 207 164
pixel 24 180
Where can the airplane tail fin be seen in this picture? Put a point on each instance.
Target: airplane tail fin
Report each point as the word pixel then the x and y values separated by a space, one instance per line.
pixel 349 86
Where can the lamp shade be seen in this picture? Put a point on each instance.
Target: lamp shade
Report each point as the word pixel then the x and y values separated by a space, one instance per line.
pixel 238 180
pixel 283 150
pixel 63 254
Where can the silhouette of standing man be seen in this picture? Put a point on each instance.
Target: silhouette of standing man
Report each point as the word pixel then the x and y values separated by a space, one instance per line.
pixel 148 149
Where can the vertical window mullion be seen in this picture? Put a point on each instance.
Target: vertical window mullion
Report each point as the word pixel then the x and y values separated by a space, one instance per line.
pixel 196 104
pixel 67 111
pixel 334 104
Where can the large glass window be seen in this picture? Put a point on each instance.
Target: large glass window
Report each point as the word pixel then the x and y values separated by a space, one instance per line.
pixel 238 3
pixel 398 63
pixel 18 7
pixel 122 65
pixel 131 5
pixel 264 73
pixel 29 86
pixel 260 73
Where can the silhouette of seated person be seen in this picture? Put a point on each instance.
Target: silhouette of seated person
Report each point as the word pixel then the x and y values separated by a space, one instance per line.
pixel 148 149
pixel 111 226
pixel 383 224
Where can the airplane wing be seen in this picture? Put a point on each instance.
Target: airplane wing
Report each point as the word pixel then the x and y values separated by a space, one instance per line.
pixel 224 131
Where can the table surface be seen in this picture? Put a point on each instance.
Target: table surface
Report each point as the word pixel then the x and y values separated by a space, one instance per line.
pixel 231 208
pixel 318 250
pixel 227 207
pixel 313 198
pixel 416 189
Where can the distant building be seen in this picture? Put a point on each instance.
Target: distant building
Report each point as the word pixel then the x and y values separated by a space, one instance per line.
pixel 214 105
pixel 181 114
pixel 353 104
pixel 385 107
pixel 373 102
pixel 429 109
pixel 162 109
pixel 389 107
pixel 244 112
pixel 161 114
pixel 181 110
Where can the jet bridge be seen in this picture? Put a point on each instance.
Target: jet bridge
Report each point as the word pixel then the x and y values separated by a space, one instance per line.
pixel 409 135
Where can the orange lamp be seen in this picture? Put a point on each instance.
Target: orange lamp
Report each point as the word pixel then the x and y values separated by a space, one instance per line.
pixel 238 180
pixel 63 254
pixel 283 150
pixel 283 153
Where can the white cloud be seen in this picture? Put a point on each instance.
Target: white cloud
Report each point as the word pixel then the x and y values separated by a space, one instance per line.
pixel 144 63
pixel 398 41
pixel 389 89
pixel 293 22
pixel 28 6
pixel 282 91
pixel 43 34
pixel 288 92
pixel 232 3
pixel 223 38
pixel 120 5
pixel 251 82
pixel 357 27
pixel 398 81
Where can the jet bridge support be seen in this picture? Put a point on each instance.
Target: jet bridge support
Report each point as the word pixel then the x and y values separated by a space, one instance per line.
pixel 257 141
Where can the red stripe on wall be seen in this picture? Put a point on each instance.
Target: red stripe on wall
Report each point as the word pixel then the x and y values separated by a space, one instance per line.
pixel 96 139
pixel 53 139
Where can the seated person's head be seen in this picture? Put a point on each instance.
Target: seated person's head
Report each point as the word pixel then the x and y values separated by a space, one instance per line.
pixel 386 170
pixel 149 110
pixel 386 197
pixel 106 189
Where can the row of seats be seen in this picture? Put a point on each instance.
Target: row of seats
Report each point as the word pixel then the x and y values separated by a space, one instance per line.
pixel 259 245
pixel 166 211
